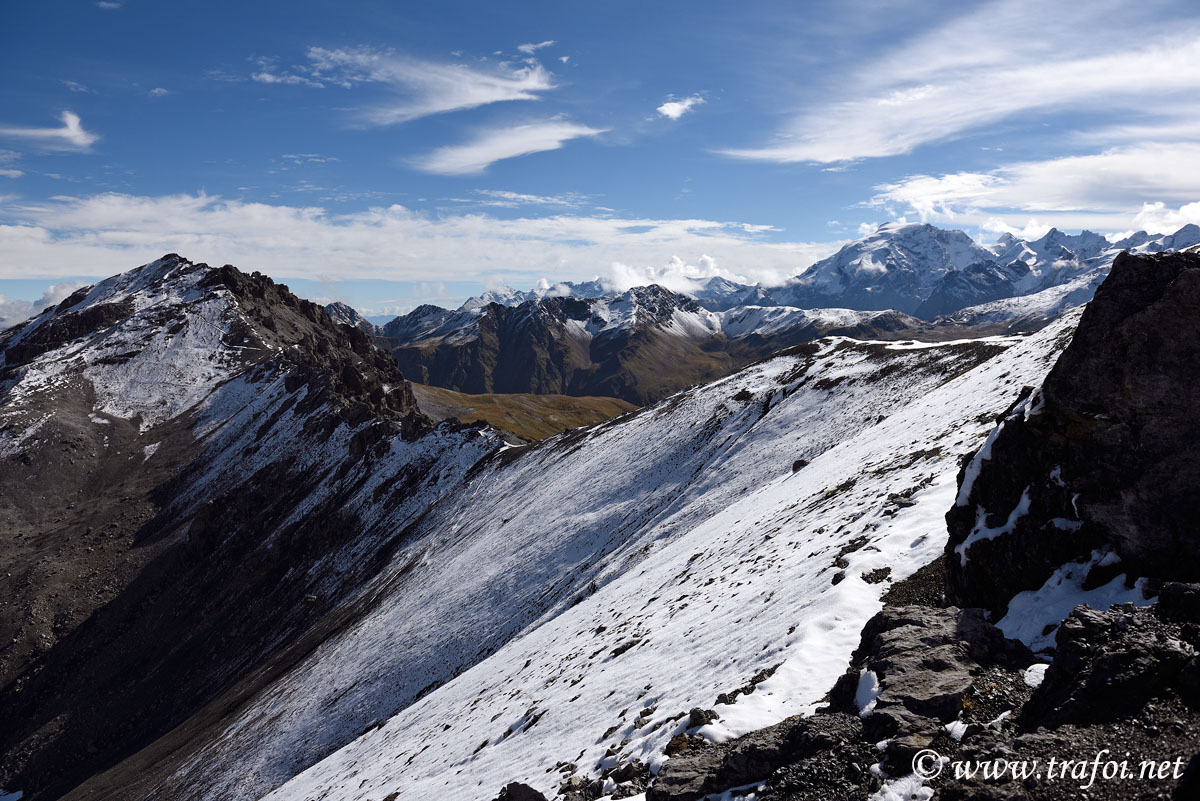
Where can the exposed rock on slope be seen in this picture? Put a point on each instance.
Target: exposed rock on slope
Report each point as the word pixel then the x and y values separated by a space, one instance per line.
pixel 1105 455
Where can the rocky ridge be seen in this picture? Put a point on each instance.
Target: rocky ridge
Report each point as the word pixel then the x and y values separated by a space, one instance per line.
pixel 216 466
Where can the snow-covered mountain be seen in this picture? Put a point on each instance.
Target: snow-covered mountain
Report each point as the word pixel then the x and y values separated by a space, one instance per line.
pixel 507 296
pixel 896 267
pixel 914 268
pixel 195 468
pixel 240 564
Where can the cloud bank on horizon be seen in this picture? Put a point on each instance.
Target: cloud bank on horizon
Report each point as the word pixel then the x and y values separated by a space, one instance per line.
pixel 563 143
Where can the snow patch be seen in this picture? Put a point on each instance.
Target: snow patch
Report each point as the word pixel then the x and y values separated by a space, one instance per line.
pixel 983 532
pixel 1035 674
pixel 867 694
pixel 1034 615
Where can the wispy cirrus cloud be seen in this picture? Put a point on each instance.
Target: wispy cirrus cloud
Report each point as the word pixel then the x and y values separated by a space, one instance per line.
pixel 500 198
pixel 418 88
pixel 71 136
pixel 674 108
pixel 110 233
pixel 7 159
pixel 1009 62
pixel 1104 191
pixel 475 156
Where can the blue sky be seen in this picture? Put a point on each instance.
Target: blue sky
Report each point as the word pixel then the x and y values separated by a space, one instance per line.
pixel 389 154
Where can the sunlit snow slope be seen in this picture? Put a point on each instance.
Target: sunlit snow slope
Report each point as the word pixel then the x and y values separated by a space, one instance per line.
pixel 650 563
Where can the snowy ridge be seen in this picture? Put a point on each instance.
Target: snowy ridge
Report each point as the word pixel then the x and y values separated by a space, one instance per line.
pixel 556 583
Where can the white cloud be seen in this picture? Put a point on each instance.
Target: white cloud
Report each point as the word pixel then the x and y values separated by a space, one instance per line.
pixel 71 136
pixel 530 49
pixel 1158 218
pixel 675 108
pixel 76 86
pixel 420 88
pixel 502 143
pixel 676 274
pixel 1000 62
pixel 158 91
pixel 108 5
pixel 106 234
pixel 1103 191
pixel 269 73
pixel 504 199
pixel 14 311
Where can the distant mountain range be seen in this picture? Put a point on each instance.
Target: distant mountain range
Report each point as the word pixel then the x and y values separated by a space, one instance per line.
pixel 642 344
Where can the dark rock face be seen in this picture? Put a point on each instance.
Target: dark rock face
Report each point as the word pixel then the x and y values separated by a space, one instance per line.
pixel 519 792
pixel 1109 664
pixel 979 283
pixel 1104 455
pixel 342 361
pixel 1123 685
pixel 64 327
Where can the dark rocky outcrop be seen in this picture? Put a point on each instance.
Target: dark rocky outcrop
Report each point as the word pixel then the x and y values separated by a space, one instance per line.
pixel 924 662
pixel 799 743
pixel 978 283
pixel 516 791
pixel 65 326
pixel 1105 454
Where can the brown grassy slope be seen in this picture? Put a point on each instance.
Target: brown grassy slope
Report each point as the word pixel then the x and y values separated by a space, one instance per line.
pixel 531 417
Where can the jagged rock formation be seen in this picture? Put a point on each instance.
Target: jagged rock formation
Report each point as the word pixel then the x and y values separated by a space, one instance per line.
pixel 197 471
pixel 1104 455
pixel 347 315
